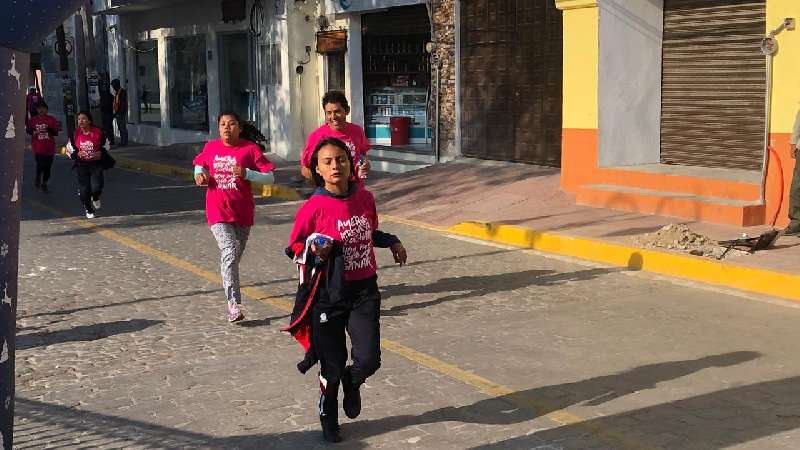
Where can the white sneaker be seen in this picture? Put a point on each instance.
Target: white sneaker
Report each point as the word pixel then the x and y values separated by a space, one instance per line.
pixel 97 204
pixel 235 314
pixel 89 215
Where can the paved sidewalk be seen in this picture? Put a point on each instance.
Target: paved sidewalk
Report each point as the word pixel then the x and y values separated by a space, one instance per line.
pixel 529 197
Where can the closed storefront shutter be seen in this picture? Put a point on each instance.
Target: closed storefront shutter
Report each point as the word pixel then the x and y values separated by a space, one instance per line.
pixel 713 83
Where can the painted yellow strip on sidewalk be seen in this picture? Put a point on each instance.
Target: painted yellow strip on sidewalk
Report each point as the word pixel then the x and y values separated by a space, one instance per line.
pixel 690 267
pixel 486 386
pixel 760 281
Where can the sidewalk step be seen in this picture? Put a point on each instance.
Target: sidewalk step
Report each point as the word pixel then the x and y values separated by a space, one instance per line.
pixel 393 165
pixel 701 181
pixel 402 153
pixel 705 208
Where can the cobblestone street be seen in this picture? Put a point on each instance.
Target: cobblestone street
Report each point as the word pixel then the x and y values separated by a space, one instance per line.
pixel 123 343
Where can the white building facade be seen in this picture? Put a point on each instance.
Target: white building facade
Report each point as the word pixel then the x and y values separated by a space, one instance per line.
pixel 271 61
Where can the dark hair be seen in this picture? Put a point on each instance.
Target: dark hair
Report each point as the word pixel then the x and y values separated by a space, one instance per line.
pixel 335 97
pixel 318 180
pixel 87 114
pixel 41 103
pixel 115 82
pixel 229 113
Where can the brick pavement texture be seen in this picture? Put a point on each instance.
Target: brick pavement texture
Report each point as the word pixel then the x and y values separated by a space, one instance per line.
pixel 117 349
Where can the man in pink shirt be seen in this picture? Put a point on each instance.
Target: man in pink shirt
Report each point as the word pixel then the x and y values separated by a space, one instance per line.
pixel 336 126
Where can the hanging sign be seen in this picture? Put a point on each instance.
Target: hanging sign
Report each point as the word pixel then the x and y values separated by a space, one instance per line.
pixel 332 41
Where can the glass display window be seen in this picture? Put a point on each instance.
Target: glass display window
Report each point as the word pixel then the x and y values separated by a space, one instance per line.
pixel 188 82
pixel 149 91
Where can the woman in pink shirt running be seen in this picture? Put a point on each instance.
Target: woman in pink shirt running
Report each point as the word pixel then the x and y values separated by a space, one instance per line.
pixel 228 165
pixel 343 211
pixel 43 127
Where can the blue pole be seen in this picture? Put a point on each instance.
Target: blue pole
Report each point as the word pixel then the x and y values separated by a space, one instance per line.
pixel 22 27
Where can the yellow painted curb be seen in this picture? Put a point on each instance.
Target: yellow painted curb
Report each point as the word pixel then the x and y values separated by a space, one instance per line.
pixel 761 281
pixel 266 190
pixel 278 191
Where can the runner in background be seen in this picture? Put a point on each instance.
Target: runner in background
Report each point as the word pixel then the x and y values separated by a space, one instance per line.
pixel 228 165
pixel 121 111
pixel 42 127
pixel 86 147
pixel 336 126
pixel 31 100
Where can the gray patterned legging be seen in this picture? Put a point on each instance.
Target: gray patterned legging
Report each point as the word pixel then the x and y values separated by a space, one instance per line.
pixel 231 239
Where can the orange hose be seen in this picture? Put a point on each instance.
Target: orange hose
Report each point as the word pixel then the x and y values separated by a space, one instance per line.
pixel 780 179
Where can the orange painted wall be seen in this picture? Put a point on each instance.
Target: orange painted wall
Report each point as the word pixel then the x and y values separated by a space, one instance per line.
pixel 780 143
pixel 578 157
pixel 579 167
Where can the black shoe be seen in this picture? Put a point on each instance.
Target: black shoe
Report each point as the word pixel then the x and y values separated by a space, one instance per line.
pixel 331 431
pixel 351 403
pixel 791 231
pixel 44 187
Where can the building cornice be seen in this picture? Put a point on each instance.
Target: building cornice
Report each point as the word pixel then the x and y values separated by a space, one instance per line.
pixel 575 4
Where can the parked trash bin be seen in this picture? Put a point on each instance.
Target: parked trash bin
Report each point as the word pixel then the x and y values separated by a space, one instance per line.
pixel 400 128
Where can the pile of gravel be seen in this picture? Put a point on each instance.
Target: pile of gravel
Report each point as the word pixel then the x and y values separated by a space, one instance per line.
pixel 681 238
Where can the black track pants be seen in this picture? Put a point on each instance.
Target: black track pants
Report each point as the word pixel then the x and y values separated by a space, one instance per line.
pixel 90 183
pixel 44 164
pixel 359 316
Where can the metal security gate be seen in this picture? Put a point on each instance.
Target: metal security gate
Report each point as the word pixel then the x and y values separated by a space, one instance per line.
pixel 713 83
pixel 511 77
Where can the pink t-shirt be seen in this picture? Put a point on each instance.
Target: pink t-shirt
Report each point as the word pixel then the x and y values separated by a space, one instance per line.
pixel 228 197
pixel 89 144
pixel 42 143
pixel 349 220
pixel 353 136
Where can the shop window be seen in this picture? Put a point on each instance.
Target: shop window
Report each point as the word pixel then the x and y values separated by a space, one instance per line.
pixel 336 71
pixel 149 95
pixel 188 83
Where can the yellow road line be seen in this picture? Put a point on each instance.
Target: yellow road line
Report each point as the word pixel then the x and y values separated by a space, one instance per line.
pixel 486 386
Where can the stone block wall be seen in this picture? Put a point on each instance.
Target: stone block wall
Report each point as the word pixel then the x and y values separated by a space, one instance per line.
pixel 443 19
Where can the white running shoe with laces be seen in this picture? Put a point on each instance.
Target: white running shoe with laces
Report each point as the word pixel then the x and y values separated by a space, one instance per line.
pixel 89 215
pixel 97 204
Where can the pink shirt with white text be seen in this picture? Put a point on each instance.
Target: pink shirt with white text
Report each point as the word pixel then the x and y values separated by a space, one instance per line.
pixel 228 197
pixel 353 137
pixel 349 221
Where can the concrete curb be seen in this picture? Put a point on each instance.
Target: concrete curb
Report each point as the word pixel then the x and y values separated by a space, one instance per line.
pixel 267 190
pixel 695 268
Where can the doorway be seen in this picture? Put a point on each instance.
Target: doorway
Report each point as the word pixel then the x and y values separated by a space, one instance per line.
pixel 511 72
pixel 237 92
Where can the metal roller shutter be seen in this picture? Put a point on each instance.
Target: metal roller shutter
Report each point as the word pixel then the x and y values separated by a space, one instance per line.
pixel 713 83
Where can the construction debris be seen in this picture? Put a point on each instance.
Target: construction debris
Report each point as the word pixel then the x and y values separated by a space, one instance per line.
pixel 681 238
